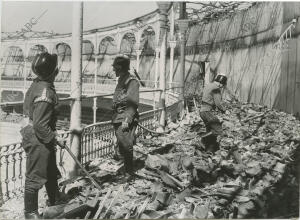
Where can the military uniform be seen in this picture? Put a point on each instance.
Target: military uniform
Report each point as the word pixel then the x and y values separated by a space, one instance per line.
pixel 39 140
pixel 125 105
pixel 211 100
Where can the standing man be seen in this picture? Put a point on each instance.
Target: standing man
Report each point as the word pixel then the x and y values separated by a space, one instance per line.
pixel 39 135
pixel 125 111
pixel 211 100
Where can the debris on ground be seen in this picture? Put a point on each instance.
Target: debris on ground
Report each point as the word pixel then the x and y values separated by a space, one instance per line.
pixel 252 175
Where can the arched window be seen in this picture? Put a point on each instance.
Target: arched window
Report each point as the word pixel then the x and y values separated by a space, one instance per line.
pixel 13 62
pixel 64 53
pixel 148 42
pixel 128 44
pixel 108 46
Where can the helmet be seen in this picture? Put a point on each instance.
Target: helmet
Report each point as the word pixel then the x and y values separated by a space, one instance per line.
pixel 122 61
pixel 44 65
pixel 221 79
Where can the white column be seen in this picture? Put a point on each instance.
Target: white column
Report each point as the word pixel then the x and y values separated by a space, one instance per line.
pixel 163 12
pixel 172 22
pixel 76 84
pixel 95 87
pixel 172 46
pixel 25 75
pixel 25 71
pixel 157 50
pixel 183 26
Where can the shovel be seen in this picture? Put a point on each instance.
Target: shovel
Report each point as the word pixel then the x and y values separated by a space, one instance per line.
pixel 80 165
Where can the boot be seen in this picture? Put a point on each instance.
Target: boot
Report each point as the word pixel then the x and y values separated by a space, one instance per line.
pixel 210 143
pixel 129 171
pixel 31 205
pixel 54 196
pixel 51 187
pixel 118 154
pixel 33 215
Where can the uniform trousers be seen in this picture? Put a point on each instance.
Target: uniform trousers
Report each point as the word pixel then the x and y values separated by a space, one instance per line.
pixel 125 141
pixel 213 125
pixel 41 165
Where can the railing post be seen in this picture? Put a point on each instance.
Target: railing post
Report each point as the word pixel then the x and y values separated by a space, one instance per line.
pixel 157 50
pixel 95 86
pixel 163 11
pixel 183 24
pixel 76 83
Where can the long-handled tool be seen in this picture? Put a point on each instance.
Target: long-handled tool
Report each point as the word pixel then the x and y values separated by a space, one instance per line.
pixel 139 78
pixel 80 165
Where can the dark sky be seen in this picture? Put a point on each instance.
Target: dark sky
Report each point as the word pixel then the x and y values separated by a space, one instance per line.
pixel 57 16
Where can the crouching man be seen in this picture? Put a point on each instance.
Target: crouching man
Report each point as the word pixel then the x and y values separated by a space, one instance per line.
pixel 211 100
pixel 39 134
pixel 125 111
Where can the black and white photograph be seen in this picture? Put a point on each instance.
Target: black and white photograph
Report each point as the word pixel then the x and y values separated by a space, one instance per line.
pixel 149 109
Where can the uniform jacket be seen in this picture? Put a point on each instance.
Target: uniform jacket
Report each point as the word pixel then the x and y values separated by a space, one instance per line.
pixel 211 98
pixel 39 106
pixel 126 99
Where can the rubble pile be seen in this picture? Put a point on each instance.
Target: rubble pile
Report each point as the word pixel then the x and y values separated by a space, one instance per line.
pixel 252 173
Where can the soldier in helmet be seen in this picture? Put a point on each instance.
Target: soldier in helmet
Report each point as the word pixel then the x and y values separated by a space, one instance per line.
pixel 211 100
pixel 39 135
pixel 125 114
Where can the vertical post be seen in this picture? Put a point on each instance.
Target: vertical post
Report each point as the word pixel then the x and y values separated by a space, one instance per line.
pixel 25 72
pixel 163 11
pixel 95 80
pixel 138 54
pixel 157 50
pixel 76 83
pixel 156 76
pixel 95 87
pixel 172 46
pixel 183 24
pixel 25 75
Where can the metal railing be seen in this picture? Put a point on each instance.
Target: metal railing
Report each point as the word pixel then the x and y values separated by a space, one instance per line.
pixel 12 169
pixel 97 140
pixel 282 42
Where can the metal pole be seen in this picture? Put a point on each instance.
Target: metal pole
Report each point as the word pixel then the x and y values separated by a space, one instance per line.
pixel 162 80
pixel 155 76
pixel 95 86
pixel 25 73
pixel 163 9
pixel 183 26
pixel 172 46
pixel 76 84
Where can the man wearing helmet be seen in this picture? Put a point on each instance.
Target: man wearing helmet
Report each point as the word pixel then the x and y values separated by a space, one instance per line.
pixel 125 114
pixel 211 100
pixel 39 135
